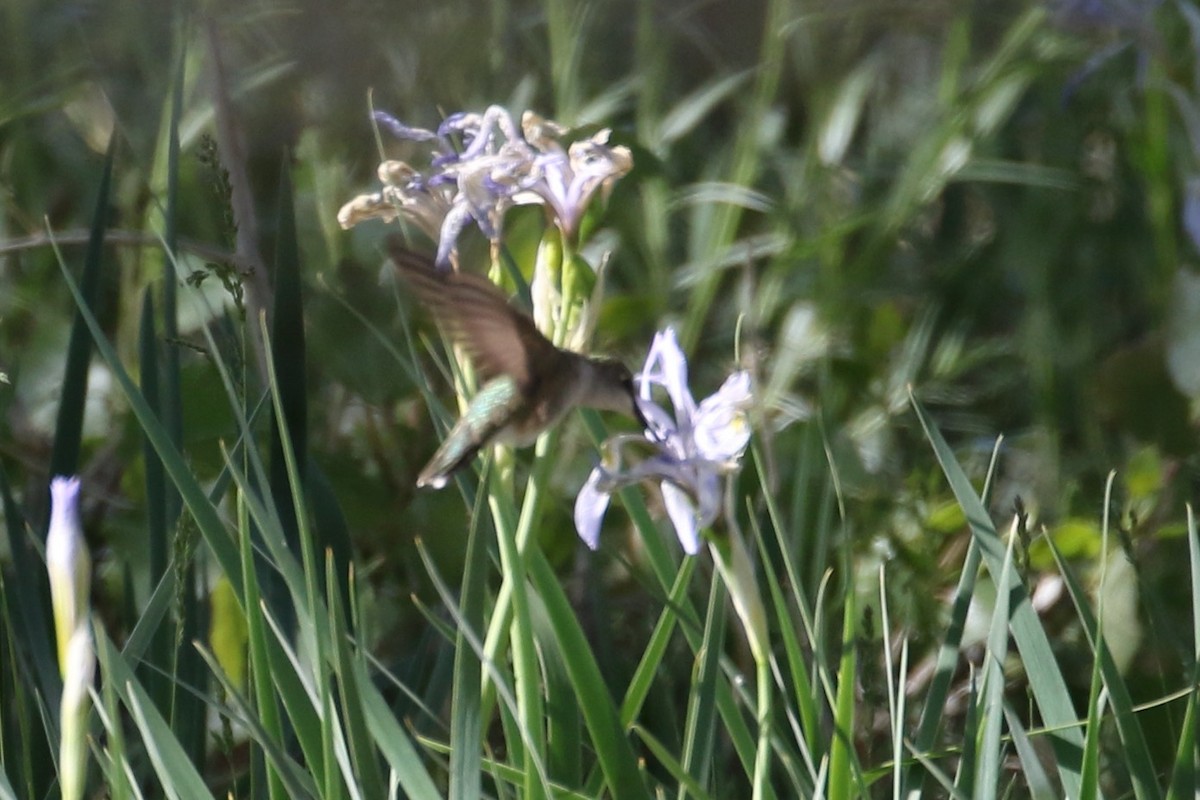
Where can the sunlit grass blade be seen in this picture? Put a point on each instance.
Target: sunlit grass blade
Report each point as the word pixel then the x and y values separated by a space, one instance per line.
pixel 990 749
pixel 1045 678
pixel 845 773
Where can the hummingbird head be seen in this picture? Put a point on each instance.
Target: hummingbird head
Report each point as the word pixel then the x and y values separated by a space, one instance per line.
pixel 613 390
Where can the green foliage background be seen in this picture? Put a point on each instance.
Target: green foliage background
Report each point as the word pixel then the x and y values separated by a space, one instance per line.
pixel 989 203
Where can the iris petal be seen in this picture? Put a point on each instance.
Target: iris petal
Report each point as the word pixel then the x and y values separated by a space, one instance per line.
pixel 590 505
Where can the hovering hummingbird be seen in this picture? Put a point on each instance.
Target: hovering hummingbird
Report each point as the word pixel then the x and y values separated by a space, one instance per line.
pixel 527 383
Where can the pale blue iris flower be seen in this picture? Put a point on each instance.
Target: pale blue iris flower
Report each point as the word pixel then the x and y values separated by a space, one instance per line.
pixel 68 561
pixel 482 165
pixel 70 568
pixel 689 451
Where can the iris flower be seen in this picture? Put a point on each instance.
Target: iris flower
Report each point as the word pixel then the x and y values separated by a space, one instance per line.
pixel 68 562
pixel 482 165
pixel 689 451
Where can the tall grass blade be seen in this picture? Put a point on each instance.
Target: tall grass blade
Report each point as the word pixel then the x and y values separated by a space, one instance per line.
pixel 68 426
pixel 1183 773
pixel 1134 750
pixel 176 772
pixel 466 722
pixel 699 727
pixel 600 716
pixel 362 750
pixel 1045 678
pixel 287 353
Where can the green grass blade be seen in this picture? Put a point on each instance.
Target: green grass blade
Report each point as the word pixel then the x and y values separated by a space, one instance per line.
pixel 600 716
pixel 1183 773
pixel 685 779
pixel 947 656
pixel 844 770
pixel 292 777
pixel 68 426
pixel 290 414
pixel 258 656
pixel 30 600
pixel 202 509
pixel 699 729
pixel 990 749
pixel 1045 678
pixel 361 748
pixel 1134 750
pixel 564 740
pixel 1036 779
pixel 660 637
pixel 466 722
pixel 176 773
pixel 804 691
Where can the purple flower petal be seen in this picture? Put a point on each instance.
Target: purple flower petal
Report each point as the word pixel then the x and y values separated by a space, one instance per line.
pixel 590 505
pixel 682 512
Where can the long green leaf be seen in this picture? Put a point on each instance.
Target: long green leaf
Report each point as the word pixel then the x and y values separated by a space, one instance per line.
pixel 466 724
pixel 362 749
pixel 68 427
pixel 202 509
pixel 603 723
pixel 1134 750
pixel 1183 773
pixel 176 773
pixel 1045 678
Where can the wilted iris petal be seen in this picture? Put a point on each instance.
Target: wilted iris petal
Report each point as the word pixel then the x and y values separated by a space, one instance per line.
pixel 569 180
pixel 482 165
pixel 400 130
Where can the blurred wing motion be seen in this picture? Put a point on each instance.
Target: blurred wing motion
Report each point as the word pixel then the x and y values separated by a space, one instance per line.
pixel 499 339
pixel 526 383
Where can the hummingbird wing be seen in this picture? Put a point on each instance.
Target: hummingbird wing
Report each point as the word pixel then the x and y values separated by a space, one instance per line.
pixel 489 414
pixel 498 338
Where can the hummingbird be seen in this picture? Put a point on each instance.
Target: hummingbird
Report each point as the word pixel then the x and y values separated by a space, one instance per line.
pixel 527 383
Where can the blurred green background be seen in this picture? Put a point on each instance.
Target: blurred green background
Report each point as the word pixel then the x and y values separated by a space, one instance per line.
pixel 997 203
